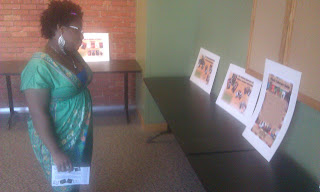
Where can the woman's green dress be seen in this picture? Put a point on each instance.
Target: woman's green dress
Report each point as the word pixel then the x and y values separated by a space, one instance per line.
pixel 70 110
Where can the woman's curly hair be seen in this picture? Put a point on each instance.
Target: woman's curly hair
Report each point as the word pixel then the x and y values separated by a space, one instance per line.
pixel 60 13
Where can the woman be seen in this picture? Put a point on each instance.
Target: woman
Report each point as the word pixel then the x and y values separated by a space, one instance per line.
pixel 55 86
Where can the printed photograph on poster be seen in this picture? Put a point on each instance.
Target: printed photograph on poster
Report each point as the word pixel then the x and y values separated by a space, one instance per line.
pixel 205 70
pixel 239 93
pixel 275 108
pixel 95 47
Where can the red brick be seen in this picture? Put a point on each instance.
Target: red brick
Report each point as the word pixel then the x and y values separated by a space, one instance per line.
pixel 34 23
pixel 35 12
pixel 10 6
pixel 20 12
pixel 21 23
pixel 5 12
pixel 88 13
pixel 127 29
pixel 2 50
pixel 123 35
pixel 132 4
pixel 8 55
pixel 94 7
pixel 30 18
pixel 14 29
pixel 31 29
pixel 130 19
pixel 119 3
pixel 123 24
pixel 6 23
pixel 41 7
pixel 15 50
pixel 18 34
pixel 6 34
pixel 38 2
pixel 32 49
pixel 36 33
pixel 97 3
pixel 27 1
pixel 28 6
pixel 10 1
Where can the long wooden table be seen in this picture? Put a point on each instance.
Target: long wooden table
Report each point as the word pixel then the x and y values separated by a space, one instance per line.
pixel 212 141
pixel 11 68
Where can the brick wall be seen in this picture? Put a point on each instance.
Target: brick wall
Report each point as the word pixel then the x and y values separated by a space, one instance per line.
pixel 20 38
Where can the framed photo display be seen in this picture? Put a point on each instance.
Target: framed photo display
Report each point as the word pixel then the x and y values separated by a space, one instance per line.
pixel 205 70
pixel 274 110
pixel 239 93
pixel 95 47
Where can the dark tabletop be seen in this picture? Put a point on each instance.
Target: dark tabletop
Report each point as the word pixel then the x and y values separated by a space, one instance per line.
pixel 12 67
pixel 113 66
pixel 213 143
pixel 199 125
pixel 249 171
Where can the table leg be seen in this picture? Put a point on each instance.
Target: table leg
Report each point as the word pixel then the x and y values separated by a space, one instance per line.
pixel 8 80
pixel 126 98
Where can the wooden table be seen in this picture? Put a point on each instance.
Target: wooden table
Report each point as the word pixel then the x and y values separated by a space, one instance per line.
pixel 8 69
pixel 118 66
pixel 212 141
pixel 11 68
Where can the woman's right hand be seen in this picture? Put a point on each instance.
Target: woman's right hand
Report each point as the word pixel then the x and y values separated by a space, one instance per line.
pixel 62 161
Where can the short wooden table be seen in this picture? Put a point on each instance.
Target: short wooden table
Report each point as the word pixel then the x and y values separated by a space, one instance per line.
pixel 12 68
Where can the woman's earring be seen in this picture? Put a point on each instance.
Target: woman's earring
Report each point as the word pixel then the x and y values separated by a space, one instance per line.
pixel 61 43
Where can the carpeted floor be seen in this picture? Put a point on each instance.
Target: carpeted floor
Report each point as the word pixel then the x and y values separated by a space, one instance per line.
pixel 122 160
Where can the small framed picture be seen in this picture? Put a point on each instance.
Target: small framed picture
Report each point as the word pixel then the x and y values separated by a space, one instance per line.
pixel 93 45
pixel 205 70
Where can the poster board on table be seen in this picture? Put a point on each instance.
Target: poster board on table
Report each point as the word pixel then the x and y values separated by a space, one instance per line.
pixel 239 93
pixel 274 110
pixel 205 70
pixel 95 47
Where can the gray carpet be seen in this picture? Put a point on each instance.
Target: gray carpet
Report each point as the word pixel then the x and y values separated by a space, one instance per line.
pixel 122 160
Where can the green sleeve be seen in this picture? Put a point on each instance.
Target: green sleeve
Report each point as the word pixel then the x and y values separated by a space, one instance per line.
pixel 36 75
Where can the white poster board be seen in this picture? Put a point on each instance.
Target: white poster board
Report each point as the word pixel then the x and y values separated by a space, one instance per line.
pixel 95 47
pixel 78 176
pixel 239 93
pixel 275 108
pixel 205 70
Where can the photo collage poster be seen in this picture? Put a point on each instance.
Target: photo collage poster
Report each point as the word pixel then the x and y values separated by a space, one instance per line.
pixel 239 93
pixel 274 110
pixel 95 47
pixel 205 70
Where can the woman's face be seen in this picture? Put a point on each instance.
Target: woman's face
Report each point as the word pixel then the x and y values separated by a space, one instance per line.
pixel 73 35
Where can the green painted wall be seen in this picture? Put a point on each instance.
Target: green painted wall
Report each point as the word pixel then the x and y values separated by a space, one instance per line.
pixel 170 35
pixel 302 139
pixel 141 42
pixel 224 30
pixel 175 32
